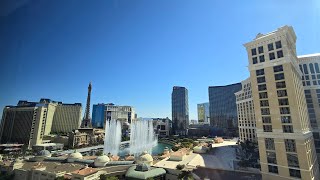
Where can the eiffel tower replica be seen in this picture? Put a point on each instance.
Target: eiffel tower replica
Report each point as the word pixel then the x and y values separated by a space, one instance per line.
pixel 86 122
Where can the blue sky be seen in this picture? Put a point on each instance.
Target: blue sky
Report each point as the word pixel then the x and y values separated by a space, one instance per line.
pixel 134 52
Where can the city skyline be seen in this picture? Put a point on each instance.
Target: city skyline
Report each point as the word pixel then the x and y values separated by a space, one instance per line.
pixel 35 65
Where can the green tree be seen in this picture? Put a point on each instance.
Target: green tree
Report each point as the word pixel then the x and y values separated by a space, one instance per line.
pixel 99 153
pixel 249 154
pixel 105 177
pixel 175 148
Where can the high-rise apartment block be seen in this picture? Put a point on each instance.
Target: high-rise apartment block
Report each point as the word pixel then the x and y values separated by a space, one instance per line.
pixel 286 144
pixel 180 110
pixel 67 117
pixel 203 113
pixel 245 109
pixel 103 112
pixel 28 122
pixel 223 108
pixel 309 67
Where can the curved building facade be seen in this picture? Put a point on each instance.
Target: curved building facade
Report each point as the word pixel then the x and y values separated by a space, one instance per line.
pixel 223 107
pixel 246 116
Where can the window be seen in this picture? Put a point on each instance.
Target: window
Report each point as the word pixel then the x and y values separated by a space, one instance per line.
pixel 287 128
pixel 260 49
pixel 253 51
pixel 270 47
pixel 259 72
pixel 305 69
pixel 261 58
pixel 293 160
pixel 281 84
pixel 267 128
pixel 269 143
pixel 263 95
pixel 311 68
pixel 254 60
pixel 278 45
pixel 284 110
pixel 300 68
pixel 272 56
pixel 265 111
pixel 308 91
pixel 273 169
pixel 283 102
pixel 316 135
pixel 307 77
pixel 266 119
pixel 264 103
pixel 278 68
pixel 295 173
pixel 317 67
pixel 279 76
pixel 279 54
pixel 262 87
pixel 282 93
pixel 286 119
pixel 308 83
pixel 290 145
pixel 314 82
pixel 261 79
pixel 271 157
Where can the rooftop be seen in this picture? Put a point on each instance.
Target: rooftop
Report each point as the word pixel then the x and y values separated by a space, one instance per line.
pixel 225 85
pixel 85 171
pixel 309 55
pixel 52 166
pixel 48 144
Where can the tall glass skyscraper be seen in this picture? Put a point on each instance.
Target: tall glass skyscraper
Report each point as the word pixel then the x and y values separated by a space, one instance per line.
pixel 223 108
pixel 98 117
pixel 180 110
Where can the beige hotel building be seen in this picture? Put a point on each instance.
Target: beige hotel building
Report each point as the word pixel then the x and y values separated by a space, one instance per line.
pixel 245 110
pixel 310 69
pixel 286 144
pixel 28 122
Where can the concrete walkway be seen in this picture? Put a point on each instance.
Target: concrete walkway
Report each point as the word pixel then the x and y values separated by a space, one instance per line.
pixel 221 157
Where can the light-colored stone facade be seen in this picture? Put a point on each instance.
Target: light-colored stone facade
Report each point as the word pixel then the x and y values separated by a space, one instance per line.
pixel 29 122
pixel 309 67
pixel 245 109
pixel 122 113
pixel 67 117
pixel 286 144
pixel 24 125
pixel 161 126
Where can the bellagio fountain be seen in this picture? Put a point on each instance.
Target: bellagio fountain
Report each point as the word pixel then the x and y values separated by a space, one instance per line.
pixel 142 137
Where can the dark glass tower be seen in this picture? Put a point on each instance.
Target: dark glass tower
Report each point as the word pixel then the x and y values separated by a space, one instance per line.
pixel 180 110
pixel 223 108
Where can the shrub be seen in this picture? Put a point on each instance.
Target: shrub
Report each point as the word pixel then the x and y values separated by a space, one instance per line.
pixel 180 166
pixel 99 153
